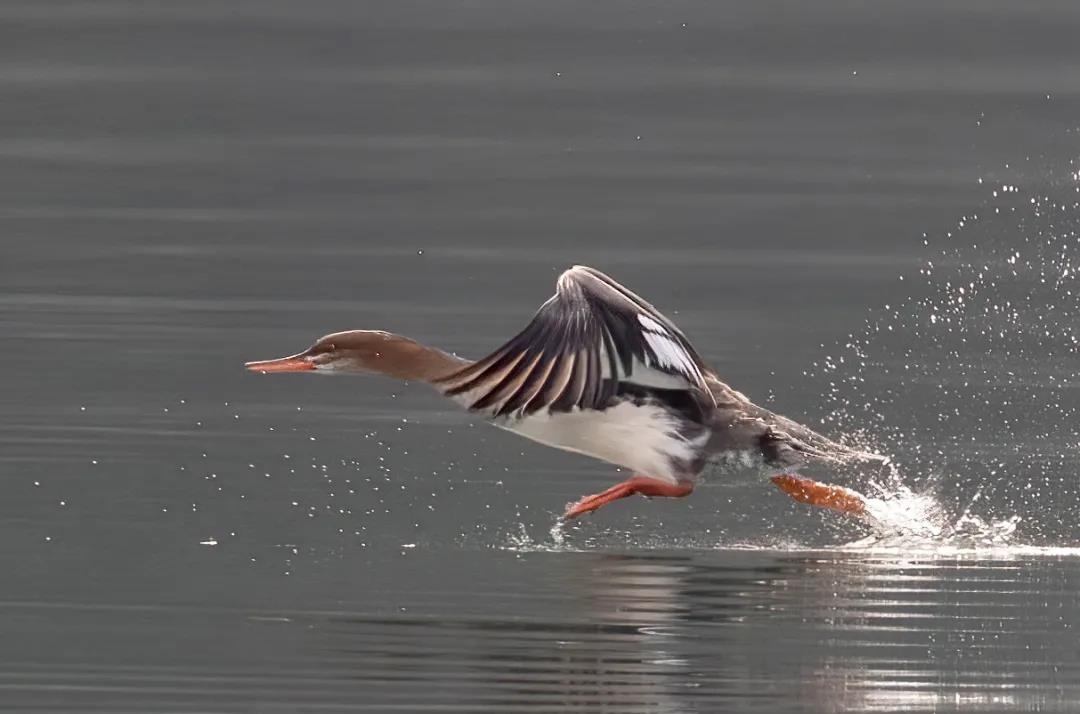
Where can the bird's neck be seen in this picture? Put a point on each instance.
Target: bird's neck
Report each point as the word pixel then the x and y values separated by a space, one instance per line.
pixel 405 358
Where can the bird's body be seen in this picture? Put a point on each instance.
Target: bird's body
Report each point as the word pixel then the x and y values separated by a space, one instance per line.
pixel 601 372
pixel 656 436
pixel 645 437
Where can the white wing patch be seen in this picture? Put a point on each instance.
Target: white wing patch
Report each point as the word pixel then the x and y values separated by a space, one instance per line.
pixel 649 324
pixel 605 362
pixel 648 376
pixel 669 353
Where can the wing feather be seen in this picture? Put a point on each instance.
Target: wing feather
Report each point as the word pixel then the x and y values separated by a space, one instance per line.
pixel 576 385
pixel 529 388
pixel 506 388
pixel 488 374
pixel 583 344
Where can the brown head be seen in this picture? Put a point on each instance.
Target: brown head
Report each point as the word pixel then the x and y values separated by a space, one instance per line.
pixel 367 352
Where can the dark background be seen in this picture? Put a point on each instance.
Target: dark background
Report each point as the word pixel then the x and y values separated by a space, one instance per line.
pixel 186 186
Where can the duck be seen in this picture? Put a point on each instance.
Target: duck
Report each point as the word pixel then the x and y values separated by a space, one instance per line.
pixel 601 372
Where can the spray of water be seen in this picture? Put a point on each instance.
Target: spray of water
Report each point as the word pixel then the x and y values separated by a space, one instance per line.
pixel 969 383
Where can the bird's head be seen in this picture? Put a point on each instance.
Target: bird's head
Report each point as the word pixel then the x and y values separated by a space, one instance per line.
pixel 355 351
pixel 365 352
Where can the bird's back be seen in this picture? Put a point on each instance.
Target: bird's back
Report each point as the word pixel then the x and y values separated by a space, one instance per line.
pixel 742 431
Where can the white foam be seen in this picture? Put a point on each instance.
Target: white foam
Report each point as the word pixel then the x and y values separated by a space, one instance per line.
pixel 904 524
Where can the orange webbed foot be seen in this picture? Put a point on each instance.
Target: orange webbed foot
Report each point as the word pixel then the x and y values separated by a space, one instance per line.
pixel 823 495
pixel 637 485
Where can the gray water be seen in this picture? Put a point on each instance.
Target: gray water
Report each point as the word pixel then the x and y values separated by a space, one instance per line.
pixel 187 186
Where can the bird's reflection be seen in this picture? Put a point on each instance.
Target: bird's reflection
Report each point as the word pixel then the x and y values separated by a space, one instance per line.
pixel 837 631
pixel 745 631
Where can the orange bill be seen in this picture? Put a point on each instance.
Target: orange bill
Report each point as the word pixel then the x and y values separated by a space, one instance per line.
pixel 823 495
pixel 296 363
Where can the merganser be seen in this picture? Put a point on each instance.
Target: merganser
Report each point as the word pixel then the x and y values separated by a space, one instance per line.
pixel 601 372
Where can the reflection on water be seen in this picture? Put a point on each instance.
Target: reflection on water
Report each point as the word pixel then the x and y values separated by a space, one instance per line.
pixel 809 632
pixel 489 630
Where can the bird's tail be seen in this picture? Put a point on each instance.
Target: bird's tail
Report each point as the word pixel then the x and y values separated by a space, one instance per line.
pixel 811 445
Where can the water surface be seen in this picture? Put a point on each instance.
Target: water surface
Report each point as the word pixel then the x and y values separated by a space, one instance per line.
pixel 184 187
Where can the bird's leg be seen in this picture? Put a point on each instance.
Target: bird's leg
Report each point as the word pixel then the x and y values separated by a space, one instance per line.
pixel 638 484
pixel 823 495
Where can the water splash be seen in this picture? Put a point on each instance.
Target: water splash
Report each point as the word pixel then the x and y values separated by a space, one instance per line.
pixel 906 518
pixel 522 541
pixel 969 382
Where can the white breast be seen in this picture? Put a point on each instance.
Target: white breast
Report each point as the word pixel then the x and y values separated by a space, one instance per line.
pixel 642 438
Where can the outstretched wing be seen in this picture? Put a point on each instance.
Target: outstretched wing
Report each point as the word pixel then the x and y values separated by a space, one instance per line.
pixel 589 342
